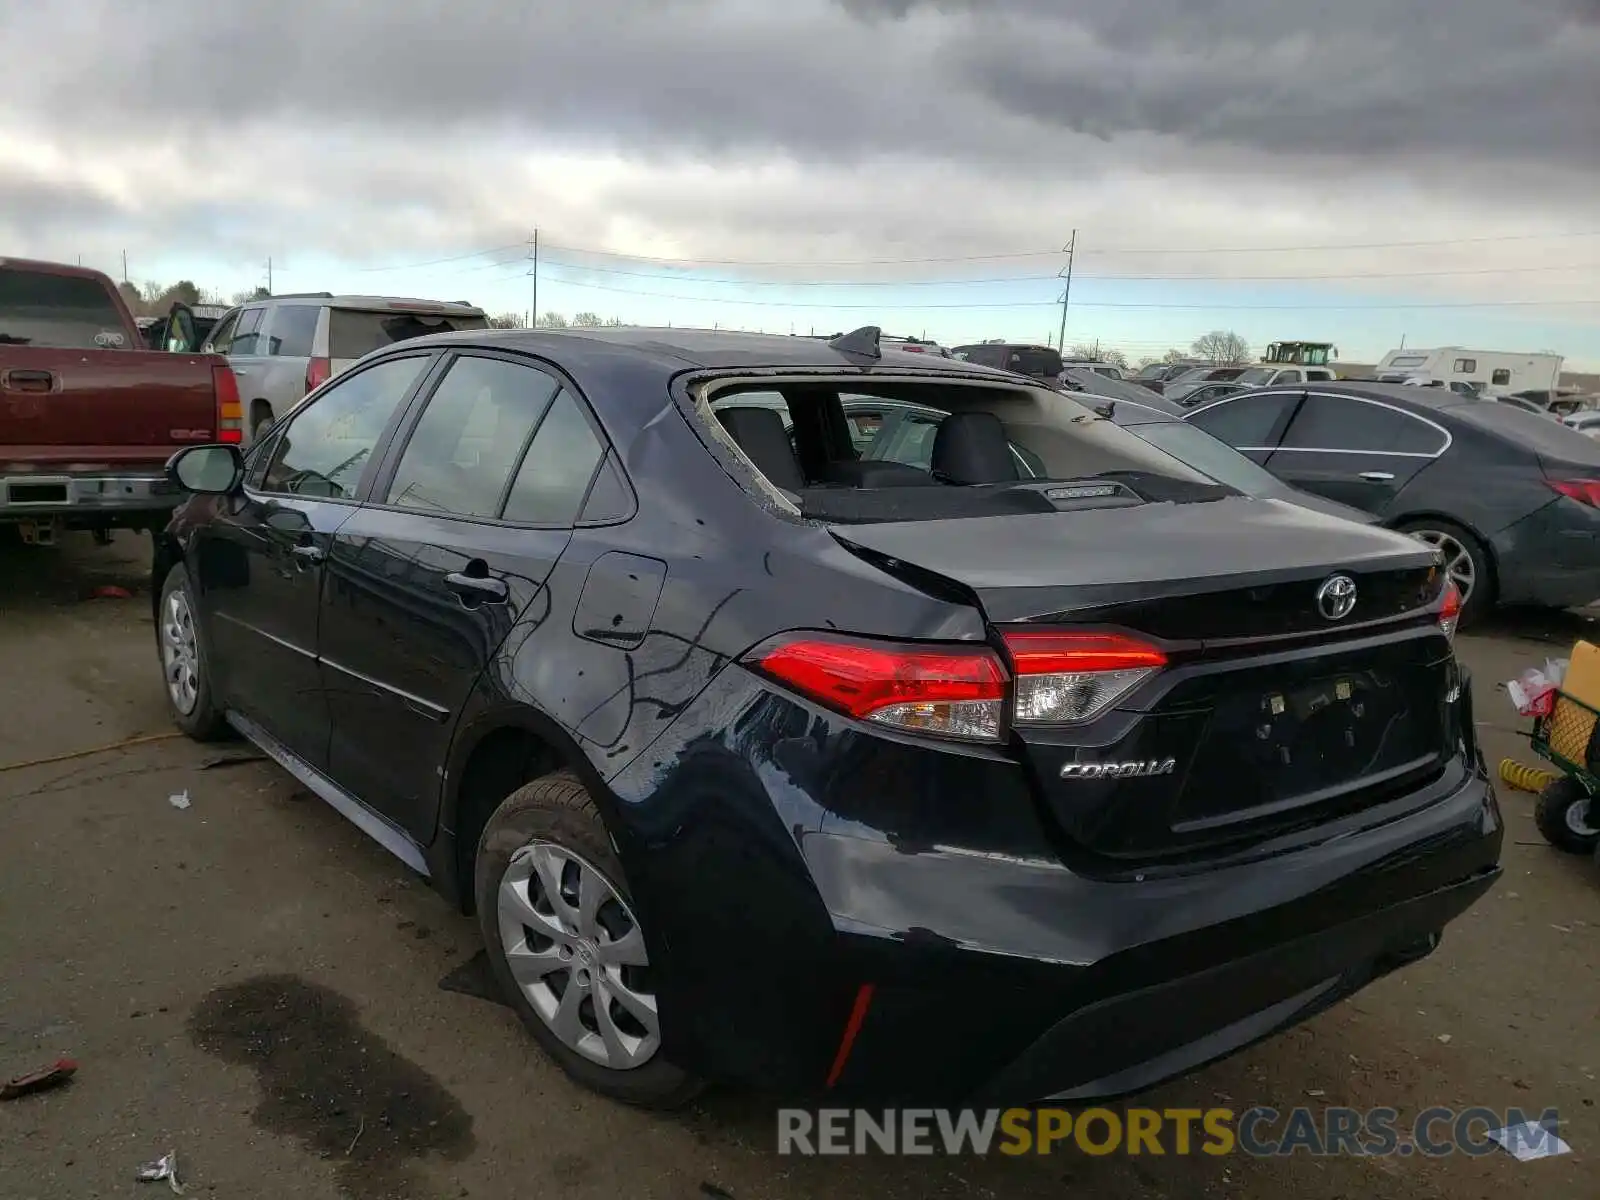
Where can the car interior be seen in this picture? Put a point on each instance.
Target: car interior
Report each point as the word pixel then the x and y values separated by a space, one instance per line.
pixel 975 461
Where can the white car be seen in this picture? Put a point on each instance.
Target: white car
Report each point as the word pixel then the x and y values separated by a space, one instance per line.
pixel 1586 423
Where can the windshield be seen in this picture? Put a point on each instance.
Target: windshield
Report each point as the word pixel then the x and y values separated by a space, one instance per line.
pixel 1255 375
pixel 64 312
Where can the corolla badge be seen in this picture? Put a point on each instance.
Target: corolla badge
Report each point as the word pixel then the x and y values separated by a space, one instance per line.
pixel 1118 770
pixel 1336 597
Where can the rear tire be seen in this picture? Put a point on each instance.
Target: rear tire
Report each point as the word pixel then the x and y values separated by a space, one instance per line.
pixel 1465 560
pixel 1568 817
pixel 185 661
pixel 548 836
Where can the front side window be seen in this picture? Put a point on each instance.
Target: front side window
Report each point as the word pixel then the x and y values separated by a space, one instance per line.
pixel 1246 421
pixel 327 445
pixel 463 450
pixel 247 336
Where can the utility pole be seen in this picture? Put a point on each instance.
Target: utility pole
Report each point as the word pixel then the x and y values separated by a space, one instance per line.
pixel 124 266
pixel 1070 249
pixel 269 274
pixel 533 316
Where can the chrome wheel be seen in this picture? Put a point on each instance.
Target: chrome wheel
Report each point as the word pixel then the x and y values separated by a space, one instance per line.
pixel 1458 564
pixel 180 652
pixel 576 952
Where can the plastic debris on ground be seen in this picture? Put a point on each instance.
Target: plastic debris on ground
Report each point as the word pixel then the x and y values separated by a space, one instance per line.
pixel 165 1167
pixel 43 1080
pixel 1533 693
pixel 1528 1141
pixel 111 591
pixel 181 800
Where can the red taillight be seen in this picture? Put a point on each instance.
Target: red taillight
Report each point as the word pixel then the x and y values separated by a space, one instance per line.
pixel 230 414
pixel 1450 609
pixel 948 691
pixel 1584 491
pixel 1065 678
pixel 317 372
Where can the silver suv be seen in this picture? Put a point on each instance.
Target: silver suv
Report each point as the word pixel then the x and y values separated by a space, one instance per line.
pixel 281 347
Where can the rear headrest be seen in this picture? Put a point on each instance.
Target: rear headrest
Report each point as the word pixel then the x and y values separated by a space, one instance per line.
pixel 971 447
pixel 761 435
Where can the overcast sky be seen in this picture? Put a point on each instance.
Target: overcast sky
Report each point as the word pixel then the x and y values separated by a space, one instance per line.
pixel 1382 169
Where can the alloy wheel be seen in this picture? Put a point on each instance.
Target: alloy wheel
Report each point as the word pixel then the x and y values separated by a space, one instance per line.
pixel 1458 562
pixel 180 652
pixel 576 953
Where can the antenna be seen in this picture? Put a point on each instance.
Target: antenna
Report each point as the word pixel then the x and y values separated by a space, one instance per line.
pixel 859 343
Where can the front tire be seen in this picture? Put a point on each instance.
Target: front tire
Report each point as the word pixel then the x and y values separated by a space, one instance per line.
pixel 566 946
pixel 185 661
pixel 1466 562
pixel 1568 817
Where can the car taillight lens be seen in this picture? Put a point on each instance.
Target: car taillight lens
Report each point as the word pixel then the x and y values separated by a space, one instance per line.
pixel 946 691
pixel 317 372
pixel 1584 491
pixel 230 415
pixel 1064 678
pixel 1450 609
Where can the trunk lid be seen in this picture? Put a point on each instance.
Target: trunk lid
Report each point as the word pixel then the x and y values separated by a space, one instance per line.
pixel 1269 714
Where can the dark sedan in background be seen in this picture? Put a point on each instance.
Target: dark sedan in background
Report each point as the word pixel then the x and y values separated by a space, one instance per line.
pixel 1510 497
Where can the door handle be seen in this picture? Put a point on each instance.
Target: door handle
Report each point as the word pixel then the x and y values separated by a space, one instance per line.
pixel 21 380
pixel 1378 476
pixel 310 555
pixel 478 587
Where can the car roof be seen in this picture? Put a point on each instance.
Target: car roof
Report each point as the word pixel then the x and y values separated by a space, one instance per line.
pixel 676 349
pixel 369 302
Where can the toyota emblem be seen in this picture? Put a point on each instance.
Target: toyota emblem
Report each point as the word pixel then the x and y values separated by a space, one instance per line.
pixel 1336 597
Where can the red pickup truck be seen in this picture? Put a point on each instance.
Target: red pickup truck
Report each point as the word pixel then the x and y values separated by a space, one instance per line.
pixel 88 417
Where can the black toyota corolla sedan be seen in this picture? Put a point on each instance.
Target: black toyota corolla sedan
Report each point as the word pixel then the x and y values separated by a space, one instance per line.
pixel 763 763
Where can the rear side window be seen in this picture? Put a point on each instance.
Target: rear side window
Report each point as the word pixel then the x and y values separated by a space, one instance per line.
pixel 1344 423
pixel 63 312
pixel 1500 378
pixel 1465 366
pixel 1531 431
pixel 291 330
pixel 1246 421
pixel 352 333
pixel 556 471
pixel 466 445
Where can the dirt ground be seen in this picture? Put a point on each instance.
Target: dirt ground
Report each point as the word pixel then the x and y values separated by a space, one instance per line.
pixel 251 983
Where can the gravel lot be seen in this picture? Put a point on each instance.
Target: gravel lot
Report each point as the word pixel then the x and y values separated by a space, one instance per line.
pixel 164 948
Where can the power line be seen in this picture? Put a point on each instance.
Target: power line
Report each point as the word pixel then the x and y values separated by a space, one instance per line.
pixel 948 258
pixel 956 281
pixel 1084 304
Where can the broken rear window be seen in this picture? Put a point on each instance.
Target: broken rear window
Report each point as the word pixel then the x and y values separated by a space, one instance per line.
pixel 353 333
pixel 938 449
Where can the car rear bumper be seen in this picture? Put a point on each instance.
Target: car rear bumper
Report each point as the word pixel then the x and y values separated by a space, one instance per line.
pixel 1551 557
pixel 45 496
pixel 816 948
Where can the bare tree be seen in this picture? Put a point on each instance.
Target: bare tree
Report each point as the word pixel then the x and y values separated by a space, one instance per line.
pixel 132 298
pixel 1222 347
pixel 508 320
pixel 587 320
pixel 552 320
pixel 1173 357
pixel 614 322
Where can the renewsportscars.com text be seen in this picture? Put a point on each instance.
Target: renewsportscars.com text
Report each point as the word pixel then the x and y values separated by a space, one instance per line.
pixel 1259 1131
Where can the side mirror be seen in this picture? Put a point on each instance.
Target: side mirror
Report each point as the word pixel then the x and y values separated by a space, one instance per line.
pixel 207 470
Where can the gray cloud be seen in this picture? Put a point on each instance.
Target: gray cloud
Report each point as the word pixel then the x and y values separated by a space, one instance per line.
pixel 1480 80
